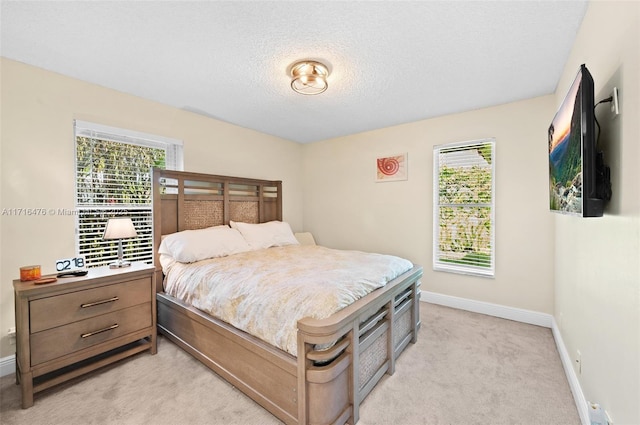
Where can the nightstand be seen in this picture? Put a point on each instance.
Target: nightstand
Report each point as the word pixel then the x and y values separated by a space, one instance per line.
pixel 75 325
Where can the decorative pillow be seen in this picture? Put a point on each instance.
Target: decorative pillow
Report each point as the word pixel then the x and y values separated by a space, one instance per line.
pixel 266 235
pixel 305 238
pixel 189 246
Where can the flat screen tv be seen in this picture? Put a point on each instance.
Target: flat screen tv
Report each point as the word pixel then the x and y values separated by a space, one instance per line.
pixel 578 178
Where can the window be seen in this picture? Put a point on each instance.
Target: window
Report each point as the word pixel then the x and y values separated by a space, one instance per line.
pixel 463 202
pixel 113 179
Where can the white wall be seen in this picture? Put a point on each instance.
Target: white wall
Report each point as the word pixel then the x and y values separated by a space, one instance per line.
pixel 597 260
pixel 345 208
pixel 37 161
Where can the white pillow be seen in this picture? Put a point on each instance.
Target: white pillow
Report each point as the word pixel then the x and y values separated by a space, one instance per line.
pixel 266 235
pixel 189 246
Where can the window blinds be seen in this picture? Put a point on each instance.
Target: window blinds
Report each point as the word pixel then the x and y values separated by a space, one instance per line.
pixel 464 207
pixel 113 178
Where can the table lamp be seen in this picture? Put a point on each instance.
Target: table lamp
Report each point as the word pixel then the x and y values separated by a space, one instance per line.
pixel 119 228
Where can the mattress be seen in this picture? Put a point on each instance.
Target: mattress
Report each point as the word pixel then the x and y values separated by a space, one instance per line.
pixel 265 292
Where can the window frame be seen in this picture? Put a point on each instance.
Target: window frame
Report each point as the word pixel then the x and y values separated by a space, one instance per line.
pixel 438 263
pixel 143 246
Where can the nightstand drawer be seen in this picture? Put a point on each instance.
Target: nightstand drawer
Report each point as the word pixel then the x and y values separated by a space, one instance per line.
pixel 60 341
pixel 47 313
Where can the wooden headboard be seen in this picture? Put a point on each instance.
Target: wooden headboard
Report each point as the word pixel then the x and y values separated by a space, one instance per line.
pixel 189 201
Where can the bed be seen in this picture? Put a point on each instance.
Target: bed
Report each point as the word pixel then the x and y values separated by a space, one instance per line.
pixel 337 360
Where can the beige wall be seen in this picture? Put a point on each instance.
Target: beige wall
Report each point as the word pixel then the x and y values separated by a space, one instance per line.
pixel 37 161
pixel 345 208
pixel 597 262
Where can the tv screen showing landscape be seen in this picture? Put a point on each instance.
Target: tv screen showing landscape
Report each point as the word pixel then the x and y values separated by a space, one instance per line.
pixel 565 154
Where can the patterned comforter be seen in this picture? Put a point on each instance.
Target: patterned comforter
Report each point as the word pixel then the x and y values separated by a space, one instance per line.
pixel 265 292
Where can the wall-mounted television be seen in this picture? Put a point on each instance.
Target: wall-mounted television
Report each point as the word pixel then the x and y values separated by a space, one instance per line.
pixel 579 181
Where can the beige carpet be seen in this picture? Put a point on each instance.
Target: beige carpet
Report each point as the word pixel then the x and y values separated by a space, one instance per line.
pixel 465 369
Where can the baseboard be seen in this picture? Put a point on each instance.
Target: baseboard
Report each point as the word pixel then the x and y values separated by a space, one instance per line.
pixel 524 316
pixel 574 384
pixel 7 365
pixel 496 310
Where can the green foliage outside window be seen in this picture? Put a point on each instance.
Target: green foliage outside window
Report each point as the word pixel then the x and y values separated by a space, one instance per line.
pixel 115 173
pixel 465 205
pixel 114 179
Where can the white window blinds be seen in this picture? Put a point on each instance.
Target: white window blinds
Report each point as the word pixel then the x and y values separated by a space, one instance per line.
pixel 463 202
pixel 113 179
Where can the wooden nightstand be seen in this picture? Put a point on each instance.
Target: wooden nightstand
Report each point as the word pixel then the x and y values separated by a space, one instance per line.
pixel 75 325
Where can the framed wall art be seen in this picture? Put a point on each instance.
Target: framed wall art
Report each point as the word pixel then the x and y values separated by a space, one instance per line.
pixel 392 168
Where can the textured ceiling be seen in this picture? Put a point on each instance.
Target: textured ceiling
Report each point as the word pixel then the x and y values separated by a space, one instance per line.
pixel 391 62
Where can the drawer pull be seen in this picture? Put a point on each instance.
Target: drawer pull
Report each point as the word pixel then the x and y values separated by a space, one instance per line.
pixel 88 334
pixel 110 300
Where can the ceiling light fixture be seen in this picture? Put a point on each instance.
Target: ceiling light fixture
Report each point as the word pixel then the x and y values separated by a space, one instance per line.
pixel 309 77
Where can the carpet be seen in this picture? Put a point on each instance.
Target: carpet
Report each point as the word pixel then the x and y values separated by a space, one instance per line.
pixel 466 368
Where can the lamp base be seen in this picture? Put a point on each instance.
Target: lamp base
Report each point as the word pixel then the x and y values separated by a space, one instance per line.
pixel 118 264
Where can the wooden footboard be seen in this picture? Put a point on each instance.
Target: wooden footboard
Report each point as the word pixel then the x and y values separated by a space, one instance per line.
pixel 320 386
pixel 370 335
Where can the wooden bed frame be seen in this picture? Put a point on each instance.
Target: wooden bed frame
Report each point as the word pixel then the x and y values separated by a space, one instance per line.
pixel 317 387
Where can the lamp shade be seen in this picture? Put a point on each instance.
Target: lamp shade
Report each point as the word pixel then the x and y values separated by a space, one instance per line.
pixel 119 228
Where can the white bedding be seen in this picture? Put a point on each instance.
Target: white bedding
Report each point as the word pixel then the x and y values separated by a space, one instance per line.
pixel 265 292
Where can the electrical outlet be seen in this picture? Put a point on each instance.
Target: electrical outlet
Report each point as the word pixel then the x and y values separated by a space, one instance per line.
pixel 579 362
pixel 615 105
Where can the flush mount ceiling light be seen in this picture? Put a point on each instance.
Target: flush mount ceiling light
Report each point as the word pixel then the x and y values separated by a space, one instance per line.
pixel 309 77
